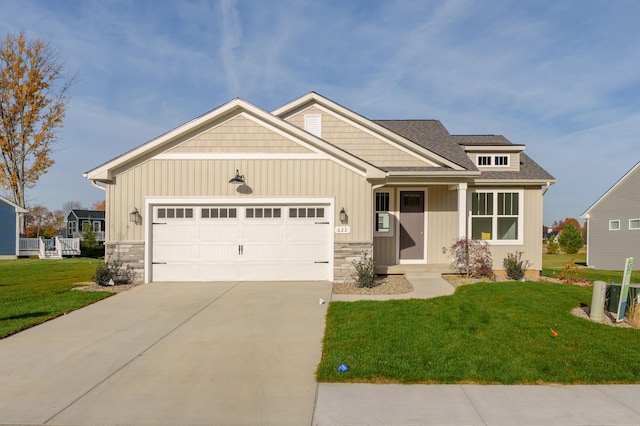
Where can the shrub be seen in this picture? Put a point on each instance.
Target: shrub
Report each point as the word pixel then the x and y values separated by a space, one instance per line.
pixel 570 239
pixel 552 245
pixel 365 272
pixel 515 266
pixel 472 258
pixel 89 246
pixel 570 272
pixel 113 270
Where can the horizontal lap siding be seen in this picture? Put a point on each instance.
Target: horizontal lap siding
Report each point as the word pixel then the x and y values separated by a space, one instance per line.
pixel 609 249
pixel 358 142
pixel 266 178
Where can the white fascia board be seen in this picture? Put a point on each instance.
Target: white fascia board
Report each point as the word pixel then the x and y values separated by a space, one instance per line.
pixel 102 173
pixel 434 173
pixel 363 122
pixel 494 148
pixel 610 190
pixel 514 182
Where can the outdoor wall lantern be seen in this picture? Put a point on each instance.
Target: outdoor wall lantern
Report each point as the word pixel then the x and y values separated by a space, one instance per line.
pixel 134 216
pixel 343 215
pixel 238 178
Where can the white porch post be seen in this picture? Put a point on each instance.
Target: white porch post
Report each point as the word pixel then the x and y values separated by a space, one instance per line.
pixel 462 210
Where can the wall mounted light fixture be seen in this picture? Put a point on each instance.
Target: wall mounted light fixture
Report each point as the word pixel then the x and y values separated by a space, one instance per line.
pixel 238 178
pixel 343 215
pixel 134 216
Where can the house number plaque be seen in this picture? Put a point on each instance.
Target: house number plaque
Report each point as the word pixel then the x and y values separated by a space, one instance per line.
pixel 343 229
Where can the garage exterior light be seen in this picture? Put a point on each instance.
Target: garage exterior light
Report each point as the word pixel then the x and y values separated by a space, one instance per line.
pixel 238 178
pixel 134 216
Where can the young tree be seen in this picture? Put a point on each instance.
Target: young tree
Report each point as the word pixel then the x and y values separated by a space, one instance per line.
pixel 570 239
pixel 33 101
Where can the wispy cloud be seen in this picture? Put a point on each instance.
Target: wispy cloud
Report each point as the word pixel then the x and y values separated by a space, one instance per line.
pixel 231 37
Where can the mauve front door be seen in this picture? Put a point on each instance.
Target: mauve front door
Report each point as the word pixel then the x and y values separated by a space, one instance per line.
pixel 411 225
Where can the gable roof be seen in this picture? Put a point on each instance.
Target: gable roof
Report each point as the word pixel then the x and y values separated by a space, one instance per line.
pixel 627 175
pixel 104 172
pixel 17 208
pixel 314 98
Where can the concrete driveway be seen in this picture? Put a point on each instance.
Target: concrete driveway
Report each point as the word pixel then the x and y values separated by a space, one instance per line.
pixel 171 353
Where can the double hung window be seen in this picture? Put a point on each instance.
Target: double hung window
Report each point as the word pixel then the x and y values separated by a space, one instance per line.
pixel 496 216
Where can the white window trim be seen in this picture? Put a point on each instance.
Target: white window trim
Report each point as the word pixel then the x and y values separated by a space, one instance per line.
pixel 494 224
pixel 634 229
pixel 99 227
pixel 613 221
pixel 493 161
pixel 391 211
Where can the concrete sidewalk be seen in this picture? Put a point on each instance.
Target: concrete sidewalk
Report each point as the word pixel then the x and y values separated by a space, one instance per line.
pixel 365 404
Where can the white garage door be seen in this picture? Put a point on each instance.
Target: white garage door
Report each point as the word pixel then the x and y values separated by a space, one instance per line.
pixel 246 243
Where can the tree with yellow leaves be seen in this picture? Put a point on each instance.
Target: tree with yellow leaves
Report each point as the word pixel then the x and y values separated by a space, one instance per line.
pixel 33 101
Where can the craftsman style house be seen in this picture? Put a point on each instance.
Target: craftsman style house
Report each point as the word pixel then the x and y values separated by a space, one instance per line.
pixel 301 192
pixel 613 224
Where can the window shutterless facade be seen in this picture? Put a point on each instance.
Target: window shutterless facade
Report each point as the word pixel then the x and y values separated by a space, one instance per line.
pixel 499 160
pixel 614 225
pixel 382 221
pixel 634 224
pixel 496 216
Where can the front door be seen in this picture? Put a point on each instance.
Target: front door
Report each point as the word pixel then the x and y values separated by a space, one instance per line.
pixel 411 225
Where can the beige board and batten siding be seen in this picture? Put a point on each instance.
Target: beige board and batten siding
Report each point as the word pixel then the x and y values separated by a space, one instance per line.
pixel 357 141
pixel 609 249
pixel 442 226
pixel 266 178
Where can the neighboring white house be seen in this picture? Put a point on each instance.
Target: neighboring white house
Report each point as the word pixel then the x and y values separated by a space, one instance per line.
pixel 613 224
pixel 299 193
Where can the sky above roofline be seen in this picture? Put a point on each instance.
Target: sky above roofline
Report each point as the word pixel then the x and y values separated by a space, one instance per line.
pixel 559 77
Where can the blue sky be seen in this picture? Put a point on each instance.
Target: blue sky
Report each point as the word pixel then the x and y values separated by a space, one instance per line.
pixel 559 76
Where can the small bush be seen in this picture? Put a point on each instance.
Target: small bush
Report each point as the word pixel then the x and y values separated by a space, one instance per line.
pixel 365 272
pixel 515 266
pixel 113 270
pixel 472 258
pixel 570 239
pixel 552 245
pixel 570 272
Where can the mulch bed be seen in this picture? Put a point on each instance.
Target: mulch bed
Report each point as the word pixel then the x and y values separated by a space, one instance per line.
pixel 384 284
pixel 116 288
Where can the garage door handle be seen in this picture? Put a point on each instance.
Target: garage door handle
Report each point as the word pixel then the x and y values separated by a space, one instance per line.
pixel 158 263
pixel 322 223
pixel 321 261
pixel 240 249
pixel 159 223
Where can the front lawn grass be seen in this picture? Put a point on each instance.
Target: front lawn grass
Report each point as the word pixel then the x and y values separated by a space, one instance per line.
pixel 33 291
pixel 484 333
pixel 553 264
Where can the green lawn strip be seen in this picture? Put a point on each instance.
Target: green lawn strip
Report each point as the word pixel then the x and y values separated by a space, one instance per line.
pixel 484 333
pixel 33 291
pixel 552 265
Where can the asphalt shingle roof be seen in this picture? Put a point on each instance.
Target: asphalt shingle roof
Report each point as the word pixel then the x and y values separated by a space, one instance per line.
pixel 432 135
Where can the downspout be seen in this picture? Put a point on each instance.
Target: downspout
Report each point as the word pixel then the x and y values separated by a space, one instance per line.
pixel 93 182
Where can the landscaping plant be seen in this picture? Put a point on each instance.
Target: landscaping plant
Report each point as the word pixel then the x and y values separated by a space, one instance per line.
pixel 365 272
pixel 472 258
pixel 570 239
pixel 113 272
pixel 515 266
pixel 552 245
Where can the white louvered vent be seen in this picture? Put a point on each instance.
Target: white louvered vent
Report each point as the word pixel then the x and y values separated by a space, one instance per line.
pixel 313 124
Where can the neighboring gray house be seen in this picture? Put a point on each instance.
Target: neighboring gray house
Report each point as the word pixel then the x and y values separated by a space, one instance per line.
pixel 77 219
pixel 9 228
pixel 613 231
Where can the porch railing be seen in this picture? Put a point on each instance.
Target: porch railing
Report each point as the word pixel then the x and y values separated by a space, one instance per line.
pixel 49 248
